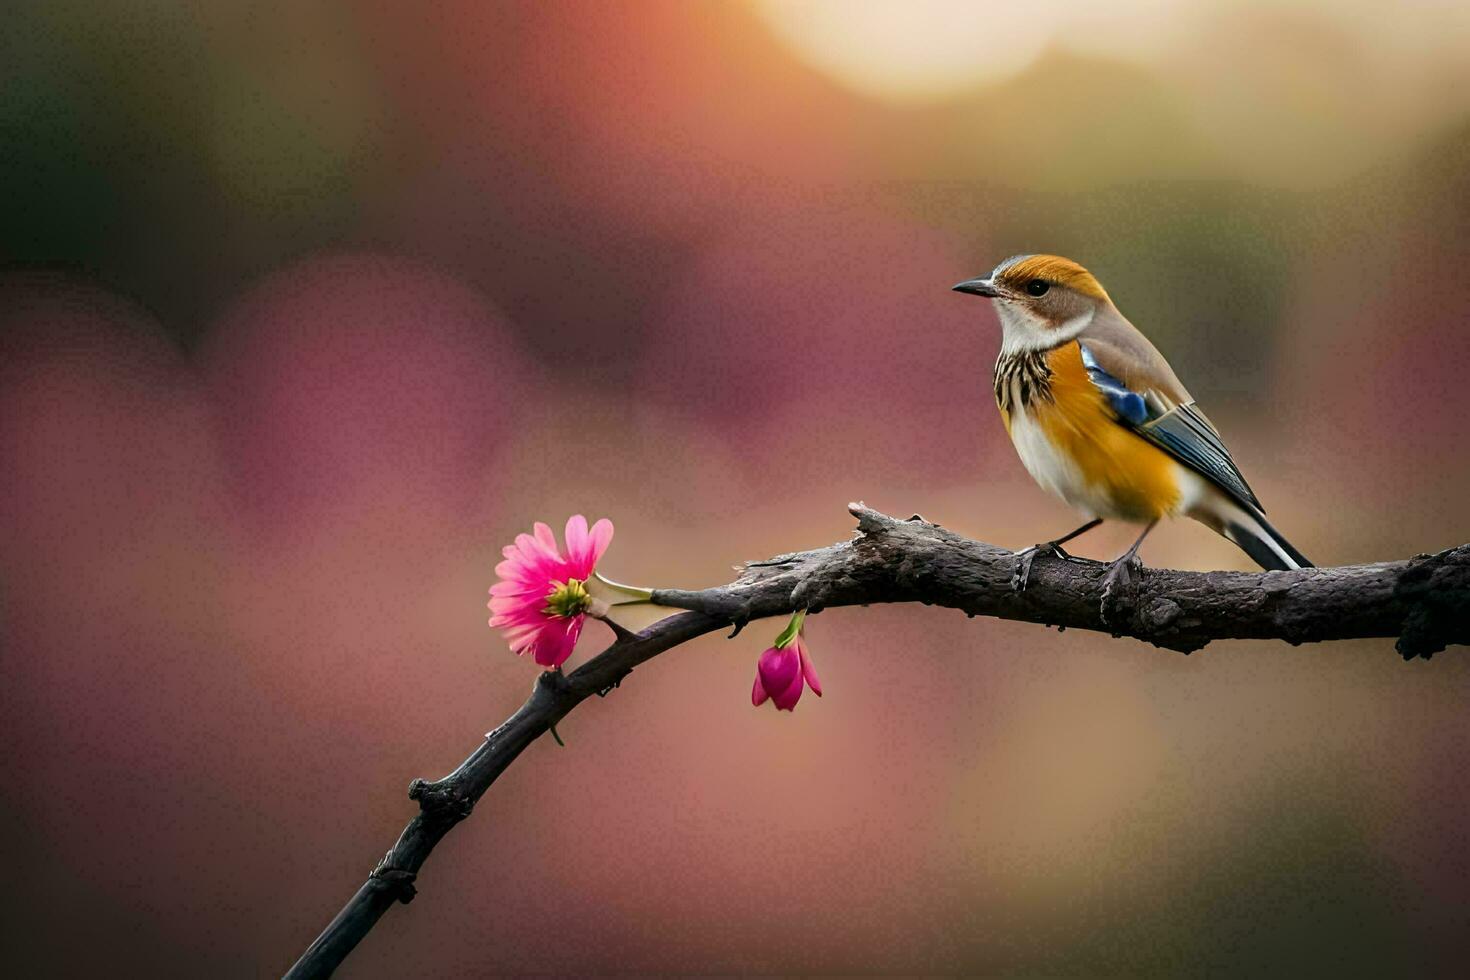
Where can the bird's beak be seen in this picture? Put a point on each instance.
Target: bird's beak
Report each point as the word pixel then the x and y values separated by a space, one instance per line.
pixel 977 287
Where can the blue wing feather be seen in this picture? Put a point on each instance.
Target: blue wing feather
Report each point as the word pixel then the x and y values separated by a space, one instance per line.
pixel 1129 405
pixel 1182 431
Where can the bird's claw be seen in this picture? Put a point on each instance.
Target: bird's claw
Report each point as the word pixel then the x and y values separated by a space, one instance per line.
pixel 1021 577
pixel 1120 586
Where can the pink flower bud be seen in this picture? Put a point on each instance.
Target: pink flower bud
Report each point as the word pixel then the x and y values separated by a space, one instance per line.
pixel 781 674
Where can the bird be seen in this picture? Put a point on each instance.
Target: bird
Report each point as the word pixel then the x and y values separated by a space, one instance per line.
pixel 1100 420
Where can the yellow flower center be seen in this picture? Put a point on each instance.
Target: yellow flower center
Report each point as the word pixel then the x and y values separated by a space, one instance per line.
pixel 567 599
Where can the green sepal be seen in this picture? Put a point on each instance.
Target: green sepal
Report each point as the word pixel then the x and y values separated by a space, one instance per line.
pixel 631 593
pixel 793 628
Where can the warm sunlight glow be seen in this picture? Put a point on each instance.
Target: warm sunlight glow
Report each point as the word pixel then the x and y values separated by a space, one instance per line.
pixel 916 51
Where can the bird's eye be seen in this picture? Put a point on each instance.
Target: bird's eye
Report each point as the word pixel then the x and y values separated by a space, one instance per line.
pixel 1037 287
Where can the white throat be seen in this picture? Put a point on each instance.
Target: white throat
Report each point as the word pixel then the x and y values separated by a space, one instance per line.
pixel 1021 332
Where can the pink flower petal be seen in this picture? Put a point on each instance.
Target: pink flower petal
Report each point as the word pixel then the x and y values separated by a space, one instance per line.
pixel 526 550
pixel 520 600
pixel 758 693
pixel 776 669
pixel 516 587
pixel 535 552
pixel 554 645
pixel 578 547
pixel 517 616
pixel 786 700
pixel 807 670
pixel 520 642
pixel 601 535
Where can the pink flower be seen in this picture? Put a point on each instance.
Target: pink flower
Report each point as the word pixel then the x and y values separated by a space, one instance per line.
pixel 784 670
pixel 541 599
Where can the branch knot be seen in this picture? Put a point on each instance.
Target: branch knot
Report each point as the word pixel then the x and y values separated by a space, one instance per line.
pixel 1433 587
pixel 442 800
pixel 395 881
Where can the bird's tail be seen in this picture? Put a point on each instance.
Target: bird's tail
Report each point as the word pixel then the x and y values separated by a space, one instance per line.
pixel 1250 530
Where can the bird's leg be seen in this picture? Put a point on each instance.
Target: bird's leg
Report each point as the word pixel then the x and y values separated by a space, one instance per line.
pixel 1024 557
pixel 1119 579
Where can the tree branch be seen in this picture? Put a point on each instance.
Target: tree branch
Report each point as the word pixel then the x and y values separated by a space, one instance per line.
pixel 1424 602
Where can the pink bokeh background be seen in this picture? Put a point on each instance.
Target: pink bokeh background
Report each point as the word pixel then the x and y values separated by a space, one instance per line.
pixel 266 428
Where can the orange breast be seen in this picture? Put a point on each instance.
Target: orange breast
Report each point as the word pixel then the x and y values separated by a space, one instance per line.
pixel 1137 479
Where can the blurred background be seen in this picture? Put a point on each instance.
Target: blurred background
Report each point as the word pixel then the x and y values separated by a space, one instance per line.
pixel 308 308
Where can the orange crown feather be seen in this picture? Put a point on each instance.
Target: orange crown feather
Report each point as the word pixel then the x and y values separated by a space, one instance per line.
pixel 1021 269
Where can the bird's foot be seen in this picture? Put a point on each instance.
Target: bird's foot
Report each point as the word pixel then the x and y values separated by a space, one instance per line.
pixel 1120 589
pixel 1021 577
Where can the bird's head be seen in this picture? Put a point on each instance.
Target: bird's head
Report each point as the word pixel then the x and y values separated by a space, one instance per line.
pixel 1042 300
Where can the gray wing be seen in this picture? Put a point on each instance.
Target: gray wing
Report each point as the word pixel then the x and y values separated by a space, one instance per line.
pixel 1184 433
pixel 1179 429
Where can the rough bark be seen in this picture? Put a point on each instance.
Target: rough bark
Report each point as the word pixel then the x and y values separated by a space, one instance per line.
pixel 1424 602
